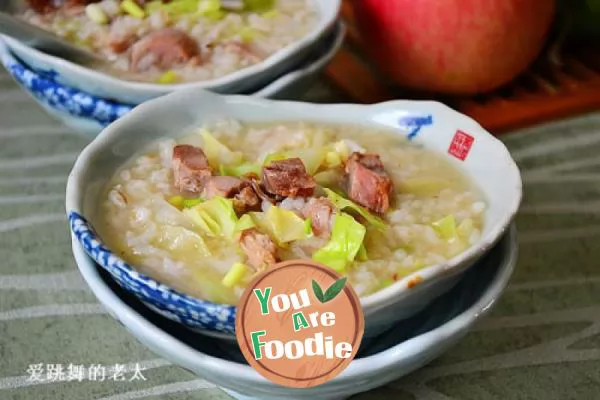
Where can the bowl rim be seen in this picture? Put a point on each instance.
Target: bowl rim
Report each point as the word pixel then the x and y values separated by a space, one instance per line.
pixel 154 337
pixel 370 303
pixel 327 17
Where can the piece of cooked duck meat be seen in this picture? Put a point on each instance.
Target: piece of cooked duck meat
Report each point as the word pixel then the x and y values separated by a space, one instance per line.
pixel 259 249
pixel 190 168
pixel 164 49
pixel 244 197
pixel 367 183
pixel 46 6
pixel 288 178
pixel 320 212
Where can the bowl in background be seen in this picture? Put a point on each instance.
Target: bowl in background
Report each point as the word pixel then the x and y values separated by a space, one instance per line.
pixel 430 124
pixel 407 346
pixel 90 114
pixel 110 87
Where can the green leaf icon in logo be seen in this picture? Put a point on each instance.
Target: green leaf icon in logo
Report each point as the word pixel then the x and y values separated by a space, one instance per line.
pixel 317 291
pixel 331 293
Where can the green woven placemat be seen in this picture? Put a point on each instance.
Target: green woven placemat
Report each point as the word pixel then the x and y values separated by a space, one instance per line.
pixel 541 342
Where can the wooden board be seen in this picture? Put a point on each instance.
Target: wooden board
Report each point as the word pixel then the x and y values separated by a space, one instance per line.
pixel 545 92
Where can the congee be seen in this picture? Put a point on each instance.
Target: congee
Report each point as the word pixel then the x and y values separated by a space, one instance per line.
pixel 170 41
pixel 204 214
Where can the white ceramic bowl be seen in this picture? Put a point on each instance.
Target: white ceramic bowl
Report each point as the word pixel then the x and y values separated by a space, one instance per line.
pixel 407 347
pixel 426 123
pixel 110 87
pixel 89 114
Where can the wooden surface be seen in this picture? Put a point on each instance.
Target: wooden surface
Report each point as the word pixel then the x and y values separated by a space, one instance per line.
pixel 544 92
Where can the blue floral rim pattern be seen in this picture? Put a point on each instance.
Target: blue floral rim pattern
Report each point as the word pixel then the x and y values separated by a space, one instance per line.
pixel 42 85
pixel 179 307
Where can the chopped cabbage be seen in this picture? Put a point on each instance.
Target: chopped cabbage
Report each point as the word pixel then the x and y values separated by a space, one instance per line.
pixel 329 178
pixel 217 153
pixel 247 34
pixel 210 9
pixel 215 217
pixel 270 14
pixel 308 227
pixel 346 240
pixel 283 226
pixel 343 203
pixel 189 203
pixel 245 222
pixel 205 8
pixel 273 157
pixel 240 170
pixel 176 201
pixel 311 158
pixel 168 77
pixel 95 13
pixel 465 228
pixel 259 5
pixel 153 6
pixel 333 159
pixel 446 227
pixel 181 240
pixel 362 254
pixel 181 202
pixel 234 275
pixel 133 9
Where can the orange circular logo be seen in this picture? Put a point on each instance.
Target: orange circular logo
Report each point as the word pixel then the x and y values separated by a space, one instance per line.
pixel 299 324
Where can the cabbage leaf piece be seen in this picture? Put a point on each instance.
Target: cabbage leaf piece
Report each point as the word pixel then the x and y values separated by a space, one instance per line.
pixel 240 169
pixel 343 203
pixel 346 240
pixel 181 240
pixel 235 275
pixel 217 153
pixel 283 226
pixel 214 217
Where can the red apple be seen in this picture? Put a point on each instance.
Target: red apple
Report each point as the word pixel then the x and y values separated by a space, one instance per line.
pixel 453 46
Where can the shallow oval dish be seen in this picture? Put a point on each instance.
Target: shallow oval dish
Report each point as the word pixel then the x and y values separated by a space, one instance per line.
pixel 397 353
pixel 107 86
pixel 89 114
pixel 430 124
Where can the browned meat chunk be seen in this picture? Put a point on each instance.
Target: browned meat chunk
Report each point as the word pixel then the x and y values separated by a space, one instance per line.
pixel 78 3
pixel 257 187
pixel 41 6
pixel 46 6
pixel 288 178
pixel 120 43
pixel 164 49
pixel 367 183
pixel 190 168
pixel 224 186
pixel 319 211
pixel 244 198
pixel 259 248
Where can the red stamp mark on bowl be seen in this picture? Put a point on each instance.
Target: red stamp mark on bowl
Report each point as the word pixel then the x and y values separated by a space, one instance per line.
pixel 461 145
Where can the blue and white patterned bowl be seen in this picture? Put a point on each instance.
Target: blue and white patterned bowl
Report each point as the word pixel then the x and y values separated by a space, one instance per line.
pixel 460 139
pixel 106 86
pixel 90 114
pixel 408 346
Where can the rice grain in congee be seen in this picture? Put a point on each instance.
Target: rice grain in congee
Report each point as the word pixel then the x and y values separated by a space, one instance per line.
pixel 176 40
pixel 206 213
